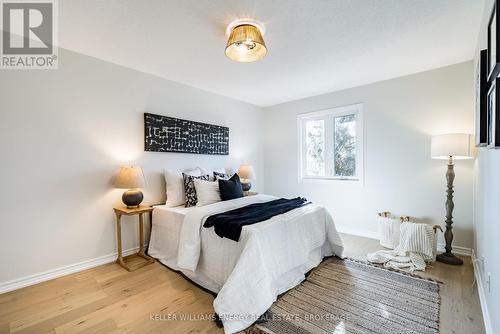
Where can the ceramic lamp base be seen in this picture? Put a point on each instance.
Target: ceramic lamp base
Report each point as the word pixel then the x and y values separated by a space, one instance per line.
pixel 132 198
pixel 246 186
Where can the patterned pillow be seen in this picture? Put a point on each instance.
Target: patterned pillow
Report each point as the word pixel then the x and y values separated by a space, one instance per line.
pixel 189 188
pixel 222 176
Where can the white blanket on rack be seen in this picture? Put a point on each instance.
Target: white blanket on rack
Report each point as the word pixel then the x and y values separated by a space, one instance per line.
pixel 416 246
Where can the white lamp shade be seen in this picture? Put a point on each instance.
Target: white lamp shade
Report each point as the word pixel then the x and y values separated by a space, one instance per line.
pixel 456 145
pixel 246 172
pixel 130 177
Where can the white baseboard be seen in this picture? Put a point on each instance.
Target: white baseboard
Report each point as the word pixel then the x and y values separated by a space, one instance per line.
pixel 459 250
pixel 62 271
pixel 73 268
pixel 360 232
pixel 482 295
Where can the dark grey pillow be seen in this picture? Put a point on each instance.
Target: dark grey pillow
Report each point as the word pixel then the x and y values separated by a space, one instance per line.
pixel 190 190
pixel 230 189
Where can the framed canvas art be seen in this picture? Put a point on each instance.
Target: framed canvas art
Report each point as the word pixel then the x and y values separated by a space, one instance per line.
pixel 169 134
pixel 493 139
pixel 493 44
pixel 481 120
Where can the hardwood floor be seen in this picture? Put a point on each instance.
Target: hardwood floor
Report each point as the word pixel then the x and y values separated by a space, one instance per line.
pixel 108 299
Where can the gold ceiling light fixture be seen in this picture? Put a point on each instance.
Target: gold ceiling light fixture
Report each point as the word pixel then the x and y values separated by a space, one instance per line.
pixel 245 43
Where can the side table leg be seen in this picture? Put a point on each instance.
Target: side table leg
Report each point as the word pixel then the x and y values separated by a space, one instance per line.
pixel 141 234
pixel 119 260
pixel 142 251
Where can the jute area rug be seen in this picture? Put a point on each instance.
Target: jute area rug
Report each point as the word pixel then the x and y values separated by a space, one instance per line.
pixel 346 296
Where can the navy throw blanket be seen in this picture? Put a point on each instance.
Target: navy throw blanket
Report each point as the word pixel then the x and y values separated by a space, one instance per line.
pixel 229 224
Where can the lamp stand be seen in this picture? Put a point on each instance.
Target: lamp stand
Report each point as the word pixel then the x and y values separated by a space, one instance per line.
pixel 448 257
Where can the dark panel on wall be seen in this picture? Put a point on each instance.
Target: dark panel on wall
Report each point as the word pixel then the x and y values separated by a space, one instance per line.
pixel 168 134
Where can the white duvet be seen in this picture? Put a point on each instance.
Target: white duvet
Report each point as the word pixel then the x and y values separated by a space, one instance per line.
pixel 270 257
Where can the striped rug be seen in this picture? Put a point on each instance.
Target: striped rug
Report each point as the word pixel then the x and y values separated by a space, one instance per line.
pixel 345 296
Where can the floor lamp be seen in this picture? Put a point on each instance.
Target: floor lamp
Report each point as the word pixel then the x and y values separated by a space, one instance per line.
pixel 450 147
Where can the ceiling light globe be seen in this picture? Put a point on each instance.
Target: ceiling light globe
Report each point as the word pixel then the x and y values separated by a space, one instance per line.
pixel 245 44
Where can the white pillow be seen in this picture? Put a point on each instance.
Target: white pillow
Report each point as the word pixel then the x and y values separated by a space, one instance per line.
pixel 175 186
pixel 207 192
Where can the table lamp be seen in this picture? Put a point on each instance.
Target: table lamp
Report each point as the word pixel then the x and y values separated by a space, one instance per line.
pixel 131 178
pixel 246 173
pixel 448 147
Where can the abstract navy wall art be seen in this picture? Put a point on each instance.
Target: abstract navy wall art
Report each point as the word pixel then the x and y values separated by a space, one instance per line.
pixel 168 134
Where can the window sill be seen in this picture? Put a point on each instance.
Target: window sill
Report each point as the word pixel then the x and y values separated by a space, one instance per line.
pixel 327 178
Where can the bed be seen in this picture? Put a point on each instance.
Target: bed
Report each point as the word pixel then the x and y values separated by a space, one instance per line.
pixel 270 257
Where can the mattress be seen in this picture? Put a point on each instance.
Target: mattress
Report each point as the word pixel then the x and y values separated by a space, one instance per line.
pixel 165 231
pixel 247 276
pixel 164 246
pixel 218 255
pixel 174 215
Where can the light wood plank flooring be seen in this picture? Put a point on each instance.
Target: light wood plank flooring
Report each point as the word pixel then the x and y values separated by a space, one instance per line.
pixel 108 299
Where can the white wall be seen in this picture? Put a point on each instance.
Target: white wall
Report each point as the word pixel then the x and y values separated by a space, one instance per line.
pixel 487 210
pixel 63 135
pixel 400 115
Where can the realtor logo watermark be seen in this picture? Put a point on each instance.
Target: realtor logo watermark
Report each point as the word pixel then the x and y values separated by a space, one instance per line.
pixel 29 34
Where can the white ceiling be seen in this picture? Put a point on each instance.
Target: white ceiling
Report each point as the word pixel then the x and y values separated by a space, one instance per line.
pixel 314 46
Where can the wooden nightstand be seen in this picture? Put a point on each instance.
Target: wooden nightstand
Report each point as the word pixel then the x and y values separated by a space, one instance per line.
pixel 250 193
pixel 140 211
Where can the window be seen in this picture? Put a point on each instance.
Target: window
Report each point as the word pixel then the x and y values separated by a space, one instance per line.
pixel 331 143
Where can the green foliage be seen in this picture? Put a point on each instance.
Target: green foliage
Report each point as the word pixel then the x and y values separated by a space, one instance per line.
pixel 316 147
pixel 345 146
pixel 316 144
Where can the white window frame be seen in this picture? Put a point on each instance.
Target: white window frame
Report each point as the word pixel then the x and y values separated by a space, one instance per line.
pixel 356 109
